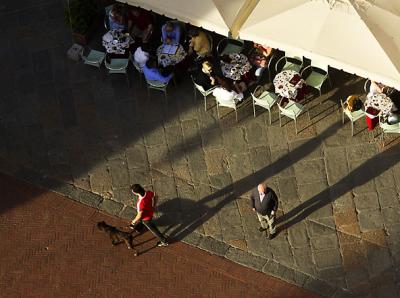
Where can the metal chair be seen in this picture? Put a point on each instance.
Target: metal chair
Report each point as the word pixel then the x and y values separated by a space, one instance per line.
pixel 292 110
pixel 388 128
pixel 203 92
pixel 118 66
pixel 318 75
pixel 157 85
pixel 92 57
pixel 231 103
pixel 367 85
pixel 138 68
pixel 265 99
pixel 228 46
pixel 107 11
pixel 291 62
pixel 353 116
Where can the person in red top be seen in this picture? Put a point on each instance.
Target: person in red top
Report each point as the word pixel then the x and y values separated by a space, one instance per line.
pixel 140 24
pixel 145 210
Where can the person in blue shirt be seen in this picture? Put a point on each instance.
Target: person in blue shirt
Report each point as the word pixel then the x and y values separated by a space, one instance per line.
pixel 152 73
pixel 171 33
pixel 116 18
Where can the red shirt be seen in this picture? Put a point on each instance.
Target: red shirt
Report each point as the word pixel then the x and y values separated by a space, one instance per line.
pixel 145 205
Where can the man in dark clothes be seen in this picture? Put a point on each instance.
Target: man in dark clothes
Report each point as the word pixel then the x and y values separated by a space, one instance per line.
pixel 264 201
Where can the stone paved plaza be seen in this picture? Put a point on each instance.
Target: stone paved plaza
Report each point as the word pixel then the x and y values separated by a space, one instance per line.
pixel 92 136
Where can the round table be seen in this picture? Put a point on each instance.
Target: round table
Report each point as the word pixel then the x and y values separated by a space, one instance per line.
pixel 239 66
pixel 116 41
pixel 170 59
pixel 287 84
pixel 379 101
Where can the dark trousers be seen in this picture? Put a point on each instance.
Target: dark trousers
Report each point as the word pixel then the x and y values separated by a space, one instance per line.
pixel 149 224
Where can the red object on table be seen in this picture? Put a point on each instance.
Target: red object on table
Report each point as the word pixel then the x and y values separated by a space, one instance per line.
pixel 371 121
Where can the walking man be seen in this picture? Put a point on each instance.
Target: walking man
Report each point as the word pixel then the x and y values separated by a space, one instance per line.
pixel 145 210
pixel 265 202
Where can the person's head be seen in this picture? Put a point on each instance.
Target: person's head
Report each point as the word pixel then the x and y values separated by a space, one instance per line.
pixel 117 13
pixel 193 33
pixel 169 26
pixel 261 187
pixel 137 189
pixel 151 63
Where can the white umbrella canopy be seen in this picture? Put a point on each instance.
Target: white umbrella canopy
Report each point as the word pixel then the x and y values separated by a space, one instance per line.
pixel 358 36
pixel 213 15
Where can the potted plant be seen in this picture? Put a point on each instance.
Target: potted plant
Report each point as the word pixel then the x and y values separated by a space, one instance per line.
pixel 83 18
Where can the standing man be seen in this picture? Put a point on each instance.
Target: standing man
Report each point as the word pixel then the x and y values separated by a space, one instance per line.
pixel 265 202
pixel 145 210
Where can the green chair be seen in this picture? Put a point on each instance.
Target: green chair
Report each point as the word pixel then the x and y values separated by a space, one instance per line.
pixel 315 75
pixel 228 46
pixel 157 85
pixel 263 99
pixel 290 62
pixel 388 128
pixel 205 93
pixel 353 116
pixel 118 66
pixel 92 57
pixel 292 110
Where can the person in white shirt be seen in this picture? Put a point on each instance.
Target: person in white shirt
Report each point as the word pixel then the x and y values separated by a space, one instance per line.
pixel 141 55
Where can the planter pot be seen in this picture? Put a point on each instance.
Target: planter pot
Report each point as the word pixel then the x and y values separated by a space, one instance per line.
pixel 84 39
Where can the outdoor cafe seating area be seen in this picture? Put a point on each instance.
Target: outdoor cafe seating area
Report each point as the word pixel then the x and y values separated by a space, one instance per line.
pixel 228 71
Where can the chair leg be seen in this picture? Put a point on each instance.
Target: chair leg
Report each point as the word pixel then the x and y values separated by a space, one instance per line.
pixel 269 114
pixel 218 110
pixel 254 109
pixel 280 119
pixel 236 115
pixel 295 125
pixel 195 93
pixel 342 117
pixel 205 103
pixel 352 128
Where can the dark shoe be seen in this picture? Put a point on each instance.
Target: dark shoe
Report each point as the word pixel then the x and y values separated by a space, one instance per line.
pixel 261 229
pixel 160 243
pixel 271 236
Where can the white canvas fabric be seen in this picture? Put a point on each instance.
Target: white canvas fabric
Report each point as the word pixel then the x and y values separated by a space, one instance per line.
pixel 358 36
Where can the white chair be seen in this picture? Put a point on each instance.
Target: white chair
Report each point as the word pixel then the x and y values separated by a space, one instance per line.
pixel 388 128
pixel 157 85
pixel 318 75
pixel 203 92
pixel 265 99
pixel 92 57
pixel 225 102
pixel 353 116
pixel 118 66
pixel 291 62
pixel 292 110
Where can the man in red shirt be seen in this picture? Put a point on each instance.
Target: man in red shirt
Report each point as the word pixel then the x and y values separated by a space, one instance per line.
pixel 145 210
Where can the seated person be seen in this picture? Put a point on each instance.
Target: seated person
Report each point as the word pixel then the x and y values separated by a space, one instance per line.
pixel 199 43
pixel 205 76
pixel 116 17
pixel 225 91
pixel 140 24
pixel 376 88
pixel 241 85
pixel 171 33
pixel 259 57
pixel 153 73
pixel 141 55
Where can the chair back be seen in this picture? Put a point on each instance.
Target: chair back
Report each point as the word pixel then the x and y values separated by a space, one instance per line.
pixel 293 55
pixel 367 85
pixel 198 87
pixel 228 46
pixel 320 64
pixel 117 65
pixel 156 84
pixel 182 27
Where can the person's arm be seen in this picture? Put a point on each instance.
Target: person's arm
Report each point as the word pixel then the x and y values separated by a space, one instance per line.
pixel 137 218
pixel 252 202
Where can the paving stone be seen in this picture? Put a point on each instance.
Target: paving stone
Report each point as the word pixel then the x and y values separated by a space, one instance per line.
pixel 216 247
pixel 212 139
pixel 158 158
pixel 193 239
pixel 299 145
pixel 379 260
pixel 319 287
pixel 217 162
pixel 259 246
pixel 304 260
pixel 297 235
pixel 310 171
pixel 327 258
pixel 119 172
pixel 111 206
pixel 229 218
pixel 221 180
pixel 191 132
pixel 260 157
pixel 246 259
pixel 388 197
pixel 370 220
pixel 322 212
pixel 366 201
pixel 385 179
pixel 281 164
pixel 139 176
pixel 155 137
pixel 256 133
pixel 123 195
pixel 391 216
pixel 309 191
pixel 361 151
pixel 359 183
pixel 136 157
pixel 316 229
pixel 128 213
pixel 164 186
pixel 232 233
pixel 325 242
pixel 212 227
pixel 277 139
pixel 240 166
pixel 100 179
pixel 234 140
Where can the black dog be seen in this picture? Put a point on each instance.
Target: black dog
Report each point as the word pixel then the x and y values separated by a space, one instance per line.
pixel 117 236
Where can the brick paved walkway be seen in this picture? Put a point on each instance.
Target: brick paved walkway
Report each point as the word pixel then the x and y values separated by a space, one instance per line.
pixel 339 195
pixel 51 249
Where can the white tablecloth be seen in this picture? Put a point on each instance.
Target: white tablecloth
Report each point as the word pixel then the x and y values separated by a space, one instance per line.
pixel 116 42
pixel 240 65
pixel 379 101
pixel 282 84
pixel 166 59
